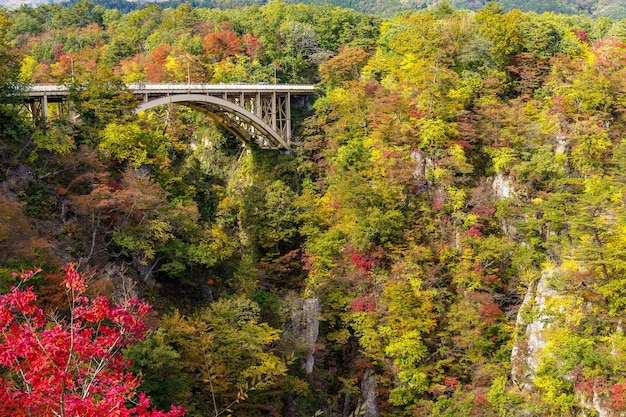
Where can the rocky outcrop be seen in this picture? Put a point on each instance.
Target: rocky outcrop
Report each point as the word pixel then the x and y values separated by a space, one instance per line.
pixel 421 163
pixel 368 407
pixel 306 326
pixel 124 286
pixel 600 405
pixel 311 311
pixel 532 319
pixel 501 186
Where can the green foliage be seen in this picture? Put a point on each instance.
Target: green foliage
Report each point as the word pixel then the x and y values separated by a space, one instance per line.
pixel 222 354
pixel 9 63
pixel 100 99
pixel 138 145
pixel 57 138
pixel 503 30
pixel 39 201
pixel 461 404
pixel 160 364
pixel 450 155
pixel 80 14
pixel 215 246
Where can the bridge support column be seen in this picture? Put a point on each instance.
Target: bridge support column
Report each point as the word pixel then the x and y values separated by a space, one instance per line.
pixel 274 112
pixel 65 110
pixel 44 107
pixel 35 110
pixel 288 119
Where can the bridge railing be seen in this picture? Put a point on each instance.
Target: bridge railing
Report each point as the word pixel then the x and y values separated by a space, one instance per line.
pixel 37 89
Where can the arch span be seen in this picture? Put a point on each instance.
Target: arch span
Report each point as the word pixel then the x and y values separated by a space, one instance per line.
pixel 238 120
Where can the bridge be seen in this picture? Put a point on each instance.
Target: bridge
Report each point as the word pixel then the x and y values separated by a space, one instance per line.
pixel 259 113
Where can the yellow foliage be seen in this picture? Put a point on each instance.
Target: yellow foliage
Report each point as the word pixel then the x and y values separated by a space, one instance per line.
pixel 29 64
pixel 569 265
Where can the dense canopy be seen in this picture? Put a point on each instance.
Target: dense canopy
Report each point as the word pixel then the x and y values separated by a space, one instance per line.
pixel 445 238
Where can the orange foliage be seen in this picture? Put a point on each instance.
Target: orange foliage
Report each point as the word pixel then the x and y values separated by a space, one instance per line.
pixel 345 66
pixel 221 45
pixel 43 74
pixel 155 69
pixel 253 46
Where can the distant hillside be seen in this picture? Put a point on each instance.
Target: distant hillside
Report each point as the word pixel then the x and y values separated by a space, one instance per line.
pixel 610 8
pixel 614 9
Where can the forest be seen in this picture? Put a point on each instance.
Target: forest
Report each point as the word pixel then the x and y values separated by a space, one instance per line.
pixel 614 9
pixel 446 237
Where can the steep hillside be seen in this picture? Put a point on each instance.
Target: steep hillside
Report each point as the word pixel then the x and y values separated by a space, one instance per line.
pixel 446 237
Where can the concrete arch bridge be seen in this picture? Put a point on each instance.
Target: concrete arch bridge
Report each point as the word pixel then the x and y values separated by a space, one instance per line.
pixel 259 113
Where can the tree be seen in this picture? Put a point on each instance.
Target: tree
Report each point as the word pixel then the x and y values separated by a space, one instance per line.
pixel 99 100
pixel 155 70
pixel 24 23
pixel 226 356
pixel 254 47
pixel 70 366
pixel 80 14
pixel 301 50
pixel 269 216
pixel 136 216
pixel 346 66
pixel 502 30
pixel 9 62
pixel 137 144
pixel 221 45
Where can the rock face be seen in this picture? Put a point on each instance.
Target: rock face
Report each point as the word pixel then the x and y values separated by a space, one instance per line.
pixel 421 162
pixel 124 286
pixel 306 328
pixel 533 318
pixel 601 406
pixel 562 144
pixel 16 180
pixel 311 311
pixel 501 186
pixel 369 408
pixel 527 348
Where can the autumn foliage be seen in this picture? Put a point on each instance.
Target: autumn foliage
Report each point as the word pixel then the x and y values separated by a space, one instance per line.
pixel 456 192
pixel 70 366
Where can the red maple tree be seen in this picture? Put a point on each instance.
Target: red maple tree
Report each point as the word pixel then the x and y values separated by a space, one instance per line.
pixel 70 367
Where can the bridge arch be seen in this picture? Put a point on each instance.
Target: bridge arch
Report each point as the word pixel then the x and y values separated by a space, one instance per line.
pixel 238 120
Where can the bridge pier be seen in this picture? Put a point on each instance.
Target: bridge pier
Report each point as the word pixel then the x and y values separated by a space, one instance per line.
pixel 288 119
pixel 40 108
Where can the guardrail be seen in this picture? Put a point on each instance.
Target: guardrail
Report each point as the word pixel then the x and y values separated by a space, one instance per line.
pixel 140 87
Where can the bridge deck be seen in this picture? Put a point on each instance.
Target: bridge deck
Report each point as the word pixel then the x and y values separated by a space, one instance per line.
pixel 55 90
